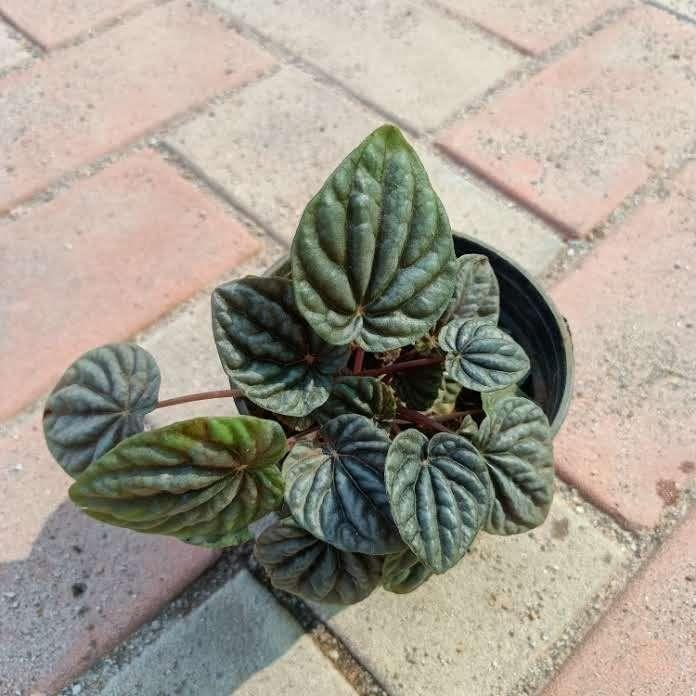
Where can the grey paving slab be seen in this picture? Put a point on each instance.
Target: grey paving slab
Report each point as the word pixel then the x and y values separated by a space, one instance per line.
pixel 241 641
pixel 409 59
pixel 272 145
pixel 11 49
pixel 481 627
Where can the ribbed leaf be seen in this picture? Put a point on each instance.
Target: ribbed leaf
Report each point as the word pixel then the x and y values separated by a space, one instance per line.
pixel 268 350
pixel 365 396
pixel 419 388
pixel 102 398
pixel 489 399
pixel 481 356
pixel 335 488
pixel 515 439
pixel 403 572
pixel 447 394
pixel 440 495
pixel 476 293
pixel 202 480
pixel 373 259
pixel 299 563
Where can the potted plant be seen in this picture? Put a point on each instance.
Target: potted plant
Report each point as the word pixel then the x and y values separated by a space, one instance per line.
pixel 391 411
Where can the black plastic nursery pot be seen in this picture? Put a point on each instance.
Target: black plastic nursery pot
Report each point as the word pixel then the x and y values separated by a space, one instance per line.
pixel 528 314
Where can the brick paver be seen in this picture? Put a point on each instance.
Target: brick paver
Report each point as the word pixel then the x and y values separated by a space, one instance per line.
pixel 272 145
pixel 628 442
pixel 53 22
pixel 645 645
pixel 240 641
pixel 102 260
pixel 574 140
pixel 80 103
pixel 402 56
pixel 11 49
pixel 481 627
pixel 532 26
pixel 70 588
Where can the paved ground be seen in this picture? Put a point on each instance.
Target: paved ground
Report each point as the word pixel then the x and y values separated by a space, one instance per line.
pixel 151 148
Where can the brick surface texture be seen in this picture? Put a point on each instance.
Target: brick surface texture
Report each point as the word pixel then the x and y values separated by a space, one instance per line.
pixel 532 26
pixel 645 644
pixel 54 22
pixel 81 103
pixel 573 141
pixel 629 439
pixel 101 261
pixel 376 49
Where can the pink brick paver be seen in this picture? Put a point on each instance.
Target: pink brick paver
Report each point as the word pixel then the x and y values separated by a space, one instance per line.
pixel 532 26
pixel 645 645
pixel 101 261
pixel 83 102
pixel 573 141
pixel 53 22
pixel 630 439
pixel 70 588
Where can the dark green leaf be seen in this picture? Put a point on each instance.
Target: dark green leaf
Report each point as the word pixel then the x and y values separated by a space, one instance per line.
pixel 202 480
pixel 298 562
pixel 102 398
pixel 365 396
pixel 440 495
pixel 373 259
pixel 447 395
pixel 489 399
pixel 268 350
pixel 476 293
pixel 335 489
pixel 480 356
pixel 515 439
pixel 403 572
pixel 419 388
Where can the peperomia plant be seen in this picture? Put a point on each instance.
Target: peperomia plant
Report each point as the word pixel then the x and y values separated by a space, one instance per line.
pixel 383 425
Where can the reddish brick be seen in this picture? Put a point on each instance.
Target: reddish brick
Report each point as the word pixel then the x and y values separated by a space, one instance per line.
pixel 532 25
pixel 645 644
pixel 101 261
pixel 577 138
pixel 70 588
pixel 83 102
pixel 630 438
pixel 53 22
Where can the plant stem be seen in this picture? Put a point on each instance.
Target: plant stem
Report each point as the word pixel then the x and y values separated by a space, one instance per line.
pixel 358 358
pixel 200 396
pixel 455 414
pixel 401 367
pixel 420 419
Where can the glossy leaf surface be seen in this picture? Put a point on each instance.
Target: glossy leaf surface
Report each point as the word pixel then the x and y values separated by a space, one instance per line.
pixel 440 495
pixel 365 396
pixel 476 293
pixel 403 572
pixel 102 398
pixel 447 394
pixel 202 480
pixel 299 563
pixel 373 259
pixel 481 356
pixel 515 439
pixel 335 488
pixel 268 350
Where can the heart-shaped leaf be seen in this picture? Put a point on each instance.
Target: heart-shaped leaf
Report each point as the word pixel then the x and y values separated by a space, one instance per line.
pixel 447 394
pixel 365 396
pixel 373 259
pixel 515 439
pixel 299 563
pixel 419 388
pixel 476 292
pixel 440 495
pixel 335 488
pixel 481 356
pixel 403 572
pixel 202 480
pixel 489 399
pixel 268 350
pixel 102 398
